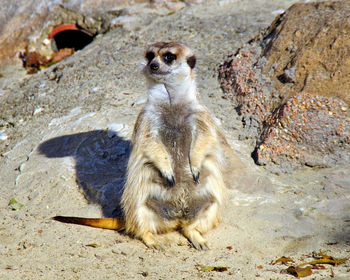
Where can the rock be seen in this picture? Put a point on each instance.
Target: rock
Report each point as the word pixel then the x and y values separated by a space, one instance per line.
pixel 308 48
pixel 309 130
pixel 40 18
pixel 291 86
pixel 25 25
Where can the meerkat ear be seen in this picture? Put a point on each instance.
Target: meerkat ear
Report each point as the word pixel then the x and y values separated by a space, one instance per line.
pixel 191 61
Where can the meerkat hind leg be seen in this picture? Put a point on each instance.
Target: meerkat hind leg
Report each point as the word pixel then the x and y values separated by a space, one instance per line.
pixel 204 222
pixel 150 241
pixel 196 238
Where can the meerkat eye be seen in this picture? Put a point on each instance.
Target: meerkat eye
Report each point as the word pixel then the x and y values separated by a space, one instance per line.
pixel 149 56
pixel 169 57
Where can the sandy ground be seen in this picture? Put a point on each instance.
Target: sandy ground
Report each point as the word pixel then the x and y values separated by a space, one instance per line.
pixel 61 158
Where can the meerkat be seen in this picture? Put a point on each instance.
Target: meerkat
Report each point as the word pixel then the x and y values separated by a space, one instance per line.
pixel 180 163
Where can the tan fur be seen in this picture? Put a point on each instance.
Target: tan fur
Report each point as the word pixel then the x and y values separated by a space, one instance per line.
pixel 180 162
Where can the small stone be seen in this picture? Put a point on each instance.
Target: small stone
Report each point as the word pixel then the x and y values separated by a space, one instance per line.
pixel 46 42
pixel 139 102
pixel 114 128
pixel 277 12
pixel 3 136
pixel 37 111
pixel 52 76
pixel 175 7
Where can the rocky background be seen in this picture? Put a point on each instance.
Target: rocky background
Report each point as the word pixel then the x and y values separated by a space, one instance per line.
pixel 279 85
pixel 291 85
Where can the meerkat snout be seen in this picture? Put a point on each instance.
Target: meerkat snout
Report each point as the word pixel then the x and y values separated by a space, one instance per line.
pixel 154 66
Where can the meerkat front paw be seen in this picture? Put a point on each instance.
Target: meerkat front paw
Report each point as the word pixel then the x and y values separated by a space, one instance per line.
pixel 169 177
pixel 196 176
pixel 170 180
pixel 162 162
pixel 195 173
pixel 195 165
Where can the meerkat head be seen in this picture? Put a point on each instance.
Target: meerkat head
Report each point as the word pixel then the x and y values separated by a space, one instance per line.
pixel 169 63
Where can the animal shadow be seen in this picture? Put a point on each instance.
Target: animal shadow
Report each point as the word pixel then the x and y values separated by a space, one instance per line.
pixel 100 162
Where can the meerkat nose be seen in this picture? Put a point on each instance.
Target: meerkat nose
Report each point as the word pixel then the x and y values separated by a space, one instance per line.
pixel 154 66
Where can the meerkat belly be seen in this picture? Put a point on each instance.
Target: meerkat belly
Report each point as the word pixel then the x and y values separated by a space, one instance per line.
pixel 176 135
pixel 183 201
pixel 185 206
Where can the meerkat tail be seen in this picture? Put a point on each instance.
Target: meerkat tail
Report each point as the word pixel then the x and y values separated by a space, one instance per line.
pixel 105 223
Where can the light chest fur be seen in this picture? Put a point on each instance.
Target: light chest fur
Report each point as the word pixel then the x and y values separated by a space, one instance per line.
pixel 183 201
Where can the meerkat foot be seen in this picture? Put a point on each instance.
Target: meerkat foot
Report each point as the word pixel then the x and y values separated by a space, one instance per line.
pixel 196 239
pixel 149 240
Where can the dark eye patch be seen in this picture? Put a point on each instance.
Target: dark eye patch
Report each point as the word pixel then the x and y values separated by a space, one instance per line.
pixel 169 57
pixel 150 56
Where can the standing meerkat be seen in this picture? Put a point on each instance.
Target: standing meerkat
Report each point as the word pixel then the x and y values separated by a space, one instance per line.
pixel 180 162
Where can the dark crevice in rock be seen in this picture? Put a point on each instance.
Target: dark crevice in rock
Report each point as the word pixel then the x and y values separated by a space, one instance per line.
pixel 72 39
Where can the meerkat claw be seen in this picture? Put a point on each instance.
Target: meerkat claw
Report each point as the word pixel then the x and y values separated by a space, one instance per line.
pixel 200 246
pixel 156 246
pixel 196 177
pixel 170 181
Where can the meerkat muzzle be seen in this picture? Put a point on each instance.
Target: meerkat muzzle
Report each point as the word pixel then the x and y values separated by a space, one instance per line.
pixel 154 66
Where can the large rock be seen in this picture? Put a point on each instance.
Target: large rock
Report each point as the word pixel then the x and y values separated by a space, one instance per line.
pixel 291 85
